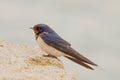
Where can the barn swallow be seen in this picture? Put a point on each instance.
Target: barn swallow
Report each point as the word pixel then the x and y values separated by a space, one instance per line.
pixel 55 46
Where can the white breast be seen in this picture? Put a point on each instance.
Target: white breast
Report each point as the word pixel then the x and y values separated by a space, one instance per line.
pixel 48 49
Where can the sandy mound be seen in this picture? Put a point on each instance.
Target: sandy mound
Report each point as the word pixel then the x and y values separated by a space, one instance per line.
pixel 25 62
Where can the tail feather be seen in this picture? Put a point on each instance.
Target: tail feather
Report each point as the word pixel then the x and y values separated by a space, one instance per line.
pixel 79 62
pixel 80 57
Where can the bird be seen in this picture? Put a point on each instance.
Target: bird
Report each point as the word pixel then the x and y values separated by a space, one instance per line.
pixel 54 45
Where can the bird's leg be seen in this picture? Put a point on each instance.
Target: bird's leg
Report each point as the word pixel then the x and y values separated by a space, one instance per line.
pixel 51 56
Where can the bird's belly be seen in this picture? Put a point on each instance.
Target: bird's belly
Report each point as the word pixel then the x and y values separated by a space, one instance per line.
pixel 49 49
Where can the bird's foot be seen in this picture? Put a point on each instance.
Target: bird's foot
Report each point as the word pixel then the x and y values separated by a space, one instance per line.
pixel 51 56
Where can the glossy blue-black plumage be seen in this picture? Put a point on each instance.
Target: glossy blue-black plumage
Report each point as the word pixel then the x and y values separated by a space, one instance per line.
pixel 51 38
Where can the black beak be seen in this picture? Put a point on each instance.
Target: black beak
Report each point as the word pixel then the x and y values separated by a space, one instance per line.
pixel 31 27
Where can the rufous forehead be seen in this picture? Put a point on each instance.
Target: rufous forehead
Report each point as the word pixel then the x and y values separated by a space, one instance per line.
pixel 35 29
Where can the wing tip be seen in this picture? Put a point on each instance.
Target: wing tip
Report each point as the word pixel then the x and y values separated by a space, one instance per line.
pixel 80 63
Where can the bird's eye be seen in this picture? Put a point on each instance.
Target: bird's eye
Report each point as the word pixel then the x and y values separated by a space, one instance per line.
pixel 40 29
pixel 37 28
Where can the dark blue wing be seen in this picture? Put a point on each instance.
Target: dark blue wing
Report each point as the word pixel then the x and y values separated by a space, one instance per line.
pixel 54 40
pixel 57 42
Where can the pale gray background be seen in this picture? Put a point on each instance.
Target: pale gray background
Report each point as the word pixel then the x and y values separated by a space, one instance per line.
pixel 91 26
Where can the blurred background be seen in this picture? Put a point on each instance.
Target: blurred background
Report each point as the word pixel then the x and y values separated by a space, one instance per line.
pixel 91 26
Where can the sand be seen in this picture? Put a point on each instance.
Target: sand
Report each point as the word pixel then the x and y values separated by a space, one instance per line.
pixel 26 62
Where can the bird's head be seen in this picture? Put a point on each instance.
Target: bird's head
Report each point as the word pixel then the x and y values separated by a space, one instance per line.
pixel 40 28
